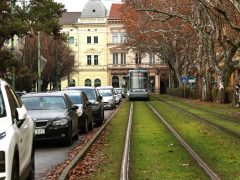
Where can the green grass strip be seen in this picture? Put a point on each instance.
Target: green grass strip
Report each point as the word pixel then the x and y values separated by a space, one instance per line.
pixel 113 148
pixel 227 124
pixel 155 152
pixel 223 109
pixel 220 151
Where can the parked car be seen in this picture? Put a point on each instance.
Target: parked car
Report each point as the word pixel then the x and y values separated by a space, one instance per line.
pixel 20 93
pixel 17 137
pixel 84 111
pixel 121 91
pixel 117 97
pixel 54 114
pixel 96 100
pixel 107 93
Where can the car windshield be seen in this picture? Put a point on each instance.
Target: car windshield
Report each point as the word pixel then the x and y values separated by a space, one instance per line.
pixel 105 92
pixel 44 102
pixel 2 106
pixel 90 93
pixel 75 98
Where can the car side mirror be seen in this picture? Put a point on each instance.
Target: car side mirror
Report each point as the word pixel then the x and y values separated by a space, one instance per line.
pixel 21 114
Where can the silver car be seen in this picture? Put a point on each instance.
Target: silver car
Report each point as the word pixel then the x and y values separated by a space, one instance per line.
pixel 107 93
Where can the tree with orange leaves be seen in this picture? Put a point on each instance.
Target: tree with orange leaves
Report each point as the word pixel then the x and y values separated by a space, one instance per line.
pixel 188 33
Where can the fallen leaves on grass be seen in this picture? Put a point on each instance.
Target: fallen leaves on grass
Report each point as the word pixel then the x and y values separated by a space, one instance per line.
pixel 91 160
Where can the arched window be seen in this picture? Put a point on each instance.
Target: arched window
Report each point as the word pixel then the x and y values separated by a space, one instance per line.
pixel 72 83
pixel 115 81
pixel 97 82
pixel 124 82
pixel 88 82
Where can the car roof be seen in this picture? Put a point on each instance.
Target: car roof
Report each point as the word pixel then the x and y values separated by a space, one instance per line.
pixel 104 87
pixel 2 81
pixel 72 91
pixel 37 94
pixel 79 87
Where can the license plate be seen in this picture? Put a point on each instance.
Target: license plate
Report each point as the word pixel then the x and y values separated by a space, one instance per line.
pixel 39 131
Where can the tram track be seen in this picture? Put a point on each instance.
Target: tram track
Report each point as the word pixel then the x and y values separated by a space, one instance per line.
pixel 125 162
pixel 220 115
pixel 210 123
pixel 126 168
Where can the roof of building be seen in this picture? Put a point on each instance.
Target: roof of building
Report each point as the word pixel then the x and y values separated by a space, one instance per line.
pixel 115 12
pixel 70 17
pixel 94 9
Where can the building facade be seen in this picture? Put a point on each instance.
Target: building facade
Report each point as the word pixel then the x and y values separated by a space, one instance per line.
pixel 87 36
pixel 102 58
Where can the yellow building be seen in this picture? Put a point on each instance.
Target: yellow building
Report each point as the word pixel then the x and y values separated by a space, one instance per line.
pixel 97 39
pixel 87 36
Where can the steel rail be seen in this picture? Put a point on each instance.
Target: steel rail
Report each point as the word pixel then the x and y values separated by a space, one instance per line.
pixel 228 118
pixel 125 159
pixel 195 156
pixel 65 173
pixel 212 124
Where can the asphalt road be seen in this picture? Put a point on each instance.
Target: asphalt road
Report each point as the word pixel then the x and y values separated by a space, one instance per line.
pixel 50 154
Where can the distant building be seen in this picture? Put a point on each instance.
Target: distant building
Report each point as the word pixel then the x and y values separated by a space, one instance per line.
pixel 102 58
pixel 87 36
pixel 122 58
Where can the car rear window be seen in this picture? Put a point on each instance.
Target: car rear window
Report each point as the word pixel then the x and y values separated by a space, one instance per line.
pixel 90 93
pixel 105 92
pixel 44 102
pixel 75 98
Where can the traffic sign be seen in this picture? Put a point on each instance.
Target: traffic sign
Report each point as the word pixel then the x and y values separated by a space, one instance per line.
pixel 184 79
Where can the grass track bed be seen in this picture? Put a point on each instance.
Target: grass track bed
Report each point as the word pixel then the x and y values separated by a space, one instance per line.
pixel 113 146
pixel 220 151
pixel 208 116
pixel 155 153
pixel 221 109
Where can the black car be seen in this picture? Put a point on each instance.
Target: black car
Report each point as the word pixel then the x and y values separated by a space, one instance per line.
pixel 96 100
pixel 84 111
pixel 54 114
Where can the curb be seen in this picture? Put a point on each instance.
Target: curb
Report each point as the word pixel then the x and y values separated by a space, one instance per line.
pixel 65 172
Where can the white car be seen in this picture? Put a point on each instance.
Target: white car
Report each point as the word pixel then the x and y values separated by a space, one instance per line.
pixel 107 93
pixel 16 137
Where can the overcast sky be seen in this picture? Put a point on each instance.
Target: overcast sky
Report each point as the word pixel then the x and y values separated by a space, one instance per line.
pixel 77 5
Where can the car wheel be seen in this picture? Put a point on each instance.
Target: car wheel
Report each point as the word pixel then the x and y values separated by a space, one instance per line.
pixel 77 134
pixel 85 126
pixel 90 125
pixel 68 140
pixel 15 170
pixel 100 122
